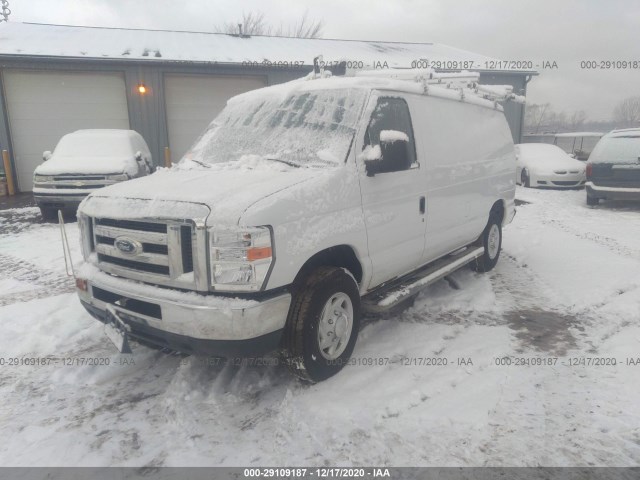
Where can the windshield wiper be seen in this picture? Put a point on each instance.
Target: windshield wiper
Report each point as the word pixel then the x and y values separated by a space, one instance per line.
pixel 200 163
pixel 286 162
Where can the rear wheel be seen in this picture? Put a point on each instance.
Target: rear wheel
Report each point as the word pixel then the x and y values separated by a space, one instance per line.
pixel 592 201
pixel 524 178
pixel 323 324
pixel 492 242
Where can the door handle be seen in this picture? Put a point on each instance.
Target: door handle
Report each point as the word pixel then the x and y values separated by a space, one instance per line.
pixel 423 204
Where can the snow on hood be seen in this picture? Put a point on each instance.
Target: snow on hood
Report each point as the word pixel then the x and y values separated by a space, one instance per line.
pixel 227 189
pixel 58 165
pixel 546 158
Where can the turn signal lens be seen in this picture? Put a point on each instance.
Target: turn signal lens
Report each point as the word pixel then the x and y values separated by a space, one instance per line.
pixel 258 253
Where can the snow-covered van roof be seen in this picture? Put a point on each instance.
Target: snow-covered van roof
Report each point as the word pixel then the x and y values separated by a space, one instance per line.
pixel 311 83
pixel 65 41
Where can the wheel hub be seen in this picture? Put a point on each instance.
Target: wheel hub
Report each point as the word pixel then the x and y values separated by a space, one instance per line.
pixel 493 241
pixel 335 326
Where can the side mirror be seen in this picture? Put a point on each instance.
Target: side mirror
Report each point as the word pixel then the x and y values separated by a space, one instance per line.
pixel 393 154
pixel 138 156
pixel 46 155
pixel 372 155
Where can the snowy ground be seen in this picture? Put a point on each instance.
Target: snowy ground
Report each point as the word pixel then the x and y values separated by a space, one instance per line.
pixel 567 287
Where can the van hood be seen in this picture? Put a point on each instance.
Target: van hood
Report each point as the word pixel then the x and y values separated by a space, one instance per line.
pixel 227 192
pixel 61 165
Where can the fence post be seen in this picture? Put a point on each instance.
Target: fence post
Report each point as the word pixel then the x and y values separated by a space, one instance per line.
pixel 167 157
pixel 8 173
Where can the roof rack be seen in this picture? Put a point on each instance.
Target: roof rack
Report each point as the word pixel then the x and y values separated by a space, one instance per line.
pixel 464 82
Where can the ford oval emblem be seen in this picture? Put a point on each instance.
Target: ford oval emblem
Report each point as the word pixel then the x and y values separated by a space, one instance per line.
pixel 127 246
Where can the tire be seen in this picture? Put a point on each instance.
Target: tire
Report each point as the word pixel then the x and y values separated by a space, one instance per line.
pixel 309 350
pixel 524 179
pixel 592 201
pixel 492 243
pixel 49 214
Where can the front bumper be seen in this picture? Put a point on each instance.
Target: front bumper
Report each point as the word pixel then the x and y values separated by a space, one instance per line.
pixel 558 181
pixel 57 200
pixel 612 193
pixel 189 322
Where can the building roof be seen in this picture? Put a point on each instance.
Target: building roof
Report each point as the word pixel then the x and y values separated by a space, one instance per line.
pixel 65 41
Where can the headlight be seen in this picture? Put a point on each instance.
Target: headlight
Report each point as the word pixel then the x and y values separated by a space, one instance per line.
pixel 121 177
pixel 42 178
pixel 240 258
pixel 86 235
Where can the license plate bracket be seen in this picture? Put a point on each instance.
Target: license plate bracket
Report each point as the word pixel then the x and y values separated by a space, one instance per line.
pixel 117 331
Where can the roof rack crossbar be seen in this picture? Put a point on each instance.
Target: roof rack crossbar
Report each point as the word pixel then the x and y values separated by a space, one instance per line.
pixel 465 81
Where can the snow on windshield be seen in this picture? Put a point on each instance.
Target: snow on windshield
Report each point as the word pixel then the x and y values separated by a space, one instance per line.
pixel 305 128
pixel 619 149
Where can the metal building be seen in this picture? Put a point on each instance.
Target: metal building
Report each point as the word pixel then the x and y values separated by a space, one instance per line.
pixel 169 85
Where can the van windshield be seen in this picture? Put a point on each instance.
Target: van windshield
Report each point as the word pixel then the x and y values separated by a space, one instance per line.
pixel 622 149
pixel 303 129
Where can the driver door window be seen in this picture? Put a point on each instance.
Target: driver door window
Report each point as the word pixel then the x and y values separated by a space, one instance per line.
pixel 392 117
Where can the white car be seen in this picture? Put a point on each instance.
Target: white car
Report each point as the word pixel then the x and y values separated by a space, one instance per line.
pixel 544 165
pixel 300 206
pixel 84 161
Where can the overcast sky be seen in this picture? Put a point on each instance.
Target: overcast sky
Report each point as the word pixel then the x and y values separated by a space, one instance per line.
pixel 566 31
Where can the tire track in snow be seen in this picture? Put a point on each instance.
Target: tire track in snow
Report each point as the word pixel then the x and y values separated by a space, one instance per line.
pixel 46 283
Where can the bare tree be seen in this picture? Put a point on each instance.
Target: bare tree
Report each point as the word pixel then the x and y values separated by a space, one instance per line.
pixel 252 23
pixel 577 119
pixel 627 112
pixel 303 28
pixel 255 23
pixel 536 116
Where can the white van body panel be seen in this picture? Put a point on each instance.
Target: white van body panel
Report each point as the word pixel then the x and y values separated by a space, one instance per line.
pixel 469 163
pixel 394 213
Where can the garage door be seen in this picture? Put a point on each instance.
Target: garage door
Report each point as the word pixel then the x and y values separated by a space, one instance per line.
pixel 45 106
pixel 193 101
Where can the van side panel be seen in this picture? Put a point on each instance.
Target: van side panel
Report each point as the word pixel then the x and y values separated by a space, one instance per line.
pixel 470 164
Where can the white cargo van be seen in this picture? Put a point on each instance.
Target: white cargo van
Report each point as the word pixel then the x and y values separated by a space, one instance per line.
pixel 299 207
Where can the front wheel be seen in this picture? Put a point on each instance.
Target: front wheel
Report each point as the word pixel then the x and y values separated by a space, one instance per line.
pixel 323 324
pixel 492 243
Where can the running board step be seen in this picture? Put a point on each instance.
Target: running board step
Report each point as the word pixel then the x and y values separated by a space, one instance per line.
pixel 392 294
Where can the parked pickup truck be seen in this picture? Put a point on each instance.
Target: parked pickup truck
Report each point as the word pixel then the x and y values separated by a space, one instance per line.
pixel 301 206
pixel 84 161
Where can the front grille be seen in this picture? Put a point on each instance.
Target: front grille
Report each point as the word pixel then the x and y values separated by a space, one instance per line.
pixel 133 225
pixel 72 187
pixel 187 248
pixel 133 265
pixel 153 252
pixel 75 178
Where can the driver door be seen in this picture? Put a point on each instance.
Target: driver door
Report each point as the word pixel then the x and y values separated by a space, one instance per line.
pixel 394 201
